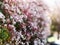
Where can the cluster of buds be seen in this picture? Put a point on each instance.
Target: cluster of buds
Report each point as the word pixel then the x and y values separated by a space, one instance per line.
pixel 27 21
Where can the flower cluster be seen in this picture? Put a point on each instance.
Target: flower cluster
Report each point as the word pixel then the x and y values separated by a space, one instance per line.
pixel 27 21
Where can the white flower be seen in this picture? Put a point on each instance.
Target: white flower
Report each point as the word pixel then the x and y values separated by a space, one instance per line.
pixel 6 6
pixel 18 11
pixel 1 15
pixel 7 44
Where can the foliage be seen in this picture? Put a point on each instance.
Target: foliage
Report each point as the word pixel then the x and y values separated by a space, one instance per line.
pixel 4 35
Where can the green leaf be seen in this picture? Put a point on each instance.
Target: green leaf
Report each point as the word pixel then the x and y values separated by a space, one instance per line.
pixel 4 34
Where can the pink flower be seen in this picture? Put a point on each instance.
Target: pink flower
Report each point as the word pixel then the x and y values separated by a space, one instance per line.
pixel 31 18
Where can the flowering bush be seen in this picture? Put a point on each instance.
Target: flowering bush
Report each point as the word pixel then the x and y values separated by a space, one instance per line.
pixel 27 21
